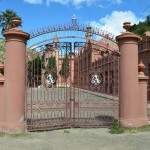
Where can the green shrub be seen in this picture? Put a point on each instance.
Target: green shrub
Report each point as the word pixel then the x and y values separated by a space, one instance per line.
pixel 66 131
pixel 115 128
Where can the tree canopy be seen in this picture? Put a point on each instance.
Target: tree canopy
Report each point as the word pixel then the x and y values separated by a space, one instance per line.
pixel 141 27
pixel 51 67
pixel 34 71
pixel 6 18
pixel 65 68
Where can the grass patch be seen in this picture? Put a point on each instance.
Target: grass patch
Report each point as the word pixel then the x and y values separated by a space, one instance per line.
pixel 140 129
pixel 66 131
pixel 115 128
pixel 19 135
pixel 2 134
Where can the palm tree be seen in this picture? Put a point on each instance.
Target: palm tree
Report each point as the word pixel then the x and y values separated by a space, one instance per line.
pixel 6 18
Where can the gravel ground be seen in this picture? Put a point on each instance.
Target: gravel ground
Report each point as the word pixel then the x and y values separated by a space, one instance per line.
pixel 76 139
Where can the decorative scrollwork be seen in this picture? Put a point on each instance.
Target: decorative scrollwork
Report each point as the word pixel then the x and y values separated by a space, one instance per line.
pixel 73 26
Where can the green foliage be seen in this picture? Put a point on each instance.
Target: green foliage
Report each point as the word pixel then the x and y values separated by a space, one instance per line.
pixel 1 134
pixel 115 128
pixel 37 65
pixel 18 135
pixel 141 27
pixel 34 70
pixel 2 50
pixel 6 18
pixel 65 68
pixel 140 129
pixel 51 67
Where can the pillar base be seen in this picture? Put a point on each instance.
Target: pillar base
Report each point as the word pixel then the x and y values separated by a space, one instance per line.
pixel 134 123
pixel 14 128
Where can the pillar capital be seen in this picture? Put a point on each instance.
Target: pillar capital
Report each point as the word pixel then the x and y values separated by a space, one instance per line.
pixel 143 78
pixel 2 81
pixel 127 36
pixel 16 34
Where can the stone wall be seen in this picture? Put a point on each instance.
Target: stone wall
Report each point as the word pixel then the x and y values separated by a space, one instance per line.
pixel 144 55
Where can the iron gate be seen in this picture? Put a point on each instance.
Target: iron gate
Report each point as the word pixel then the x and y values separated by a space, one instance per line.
pixel 71 86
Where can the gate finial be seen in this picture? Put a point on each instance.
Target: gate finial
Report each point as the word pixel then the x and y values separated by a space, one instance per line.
pixel 127 26
pixel 141 68
pixel 74 17
pixel 16 21
pixel 74 20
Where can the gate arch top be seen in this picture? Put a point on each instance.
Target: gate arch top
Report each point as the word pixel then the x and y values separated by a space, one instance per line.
pixel 72 26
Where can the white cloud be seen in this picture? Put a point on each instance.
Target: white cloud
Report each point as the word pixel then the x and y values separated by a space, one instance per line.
pixel 115 1
pixel 34 1
pixel 73 2
pixel 101 6
pixel 114 22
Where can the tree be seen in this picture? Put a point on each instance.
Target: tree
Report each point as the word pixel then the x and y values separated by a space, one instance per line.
pixel 141 27
pixel 34 71
pixel 51 67
pixel 65 68
pixel 6 18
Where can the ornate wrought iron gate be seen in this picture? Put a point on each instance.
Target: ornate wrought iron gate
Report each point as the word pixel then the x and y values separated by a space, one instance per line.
pixel 71 87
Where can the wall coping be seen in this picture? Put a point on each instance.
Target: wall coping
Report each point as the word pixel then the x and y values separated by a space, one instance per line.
pixel 2 80
pixel 143 77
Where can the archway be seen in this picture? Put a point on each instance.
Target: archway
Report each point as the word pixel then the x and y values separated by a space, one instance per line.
pixel 72 80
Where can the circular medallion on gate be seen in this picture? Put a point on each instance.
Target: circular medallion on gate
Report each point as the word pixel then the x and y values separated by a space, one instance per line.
pixel 49 80
pixel 96 79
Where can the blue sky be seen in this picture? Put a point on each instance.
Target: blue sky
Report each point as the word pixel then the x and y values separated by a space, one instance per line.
pixel 106 14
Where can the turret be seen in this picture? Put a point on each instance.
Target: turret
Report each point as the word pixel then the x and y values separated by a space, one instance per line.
pixel 88 33
pixel 55 39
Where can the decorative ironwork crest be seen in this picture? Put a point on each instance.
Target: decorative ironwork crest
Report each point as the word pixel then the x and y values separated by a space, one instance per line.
pixel 72 26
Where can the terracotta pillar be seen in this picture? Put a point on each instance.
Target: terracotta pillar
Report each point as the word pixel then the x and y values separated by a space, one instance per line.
pixel 143 80
pixel 2 102
pixel 15 80
pixel 130 113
